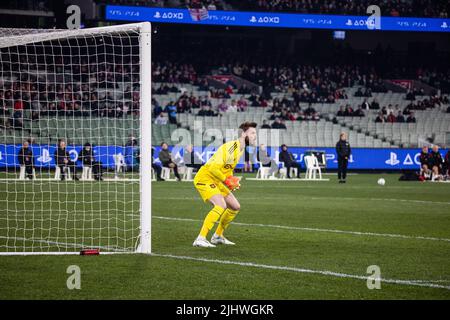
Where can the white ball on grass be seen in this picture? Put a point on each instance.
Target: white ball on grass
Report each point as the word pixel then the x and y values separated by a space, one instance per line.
pixel 381 182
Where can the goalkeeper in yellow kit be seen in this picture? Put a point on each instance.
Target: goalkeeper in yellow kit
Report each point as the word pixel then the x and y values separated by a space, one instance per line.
pixel 215 183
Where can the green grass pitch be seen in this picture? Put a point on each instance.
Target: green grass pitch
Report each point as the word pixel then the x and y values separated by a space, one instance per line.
pixel 295 240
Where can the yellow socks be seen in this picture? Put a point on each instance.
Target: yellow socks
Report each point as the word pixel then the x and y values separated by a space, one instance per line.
pixel 225 220
pixel 214 215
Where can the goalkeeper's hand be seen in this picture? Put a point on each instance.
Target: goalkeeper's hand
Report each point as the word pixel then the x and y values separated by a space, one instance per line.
pixel 232 183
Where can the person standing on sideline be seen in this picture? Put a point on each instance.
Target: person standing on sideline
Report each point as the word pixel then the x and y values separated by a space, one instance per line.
pixel 343 151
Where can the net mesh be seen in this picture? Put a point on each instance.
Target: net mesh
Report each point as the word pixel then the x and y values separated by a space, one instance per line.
pixel 69 132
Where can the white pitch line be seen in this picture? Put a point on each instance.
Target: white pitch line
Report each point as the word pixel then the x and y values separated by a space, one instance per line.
pixel 420 283
pixel 359 233
pixel 302 270
pixel 320 198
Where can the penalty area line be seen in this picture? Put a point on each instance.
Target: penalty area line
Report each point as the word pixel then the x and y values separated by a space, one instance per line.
pixel 419 283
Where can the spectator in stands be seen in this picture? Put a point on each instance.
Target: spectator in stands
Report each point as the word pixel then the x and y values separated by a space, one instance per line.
pixel 265 125
pixel 359 112
pixel 26 159
pixel 166 159
pixel 277 124
pixel 359 93
pixel 348 111
pixel 18 114
pixel 264 159
pixel 391 118
pixel 343 152
pixel 400 118
pixel 156 167
pixel 365 105
pixel 4 114
pixel 341 112
pixel 311 113
pixel 87 158
pixel 233 106
pixel 448 109
pixel 191 158
pixel 206 111
pixel 161 119
pixel 380 118
pixel 289 161
pixel 171 111
pixel 157 109
pixel 63 161
pixel 411 118
pixel 374 105
pixel 410 95
pixel 223 106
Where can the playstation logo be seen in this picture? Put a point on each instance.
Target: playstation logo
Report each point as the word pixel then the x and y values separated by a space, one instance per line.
pixel 253 19
pixel 45 157
pixel 392 161
pixel 349 22
pixel 157 15
pixel 444 25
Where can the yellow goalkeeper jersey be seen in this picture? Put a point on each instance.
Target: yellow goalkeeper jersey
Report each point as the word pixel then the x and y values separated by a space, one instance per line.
pixel 223 162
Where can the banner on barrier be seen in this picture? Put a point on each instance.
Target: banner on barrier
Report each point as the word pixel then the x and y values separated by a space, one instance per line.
pixel 361 158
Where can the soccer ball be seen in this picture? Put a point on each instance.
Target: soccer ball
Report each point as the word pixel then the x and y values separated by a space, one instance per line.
pixel 381 182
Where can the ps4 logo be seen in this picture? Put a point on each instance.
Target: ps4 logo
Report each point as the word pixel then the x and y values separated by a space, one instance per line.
pixel 253 19
pixel 169 15
pixel 444 25
pixel 393 160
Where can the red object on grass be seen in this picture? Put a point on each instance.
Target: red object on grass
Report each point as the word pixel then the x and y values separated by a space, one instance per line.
pixel 89 252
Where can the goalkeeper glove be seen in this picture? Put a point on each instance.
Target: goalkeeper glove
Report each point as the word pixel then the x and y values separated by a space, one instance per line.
pixel 232 183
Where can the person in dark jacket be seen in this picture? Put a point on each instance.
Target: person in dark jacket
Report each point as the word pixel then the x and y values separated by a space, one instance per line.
pixel 436 160
pixel 289 161
pixel 26 159
pixel 156 167
pixel 87 158
pixel 166 159
pixel 191 159
pixel 343 151
pixel 425 172
pixel 62 160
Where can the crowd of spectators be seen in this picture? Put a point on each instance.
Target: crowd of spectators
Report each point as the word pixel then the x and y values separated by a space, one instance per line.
pixel 394 8
pixel 392 113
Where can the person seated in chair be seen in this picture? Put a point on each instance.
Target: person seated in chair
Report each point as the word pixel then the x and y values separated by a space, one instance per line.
pixel 166 159
pixel 87 158
pixel 26 159
pixel 289 161
pixel 265 160
pixel 63 161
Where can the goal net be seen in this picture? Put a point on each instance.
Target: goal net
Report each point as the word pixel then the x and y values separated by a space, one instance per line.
pixel 75 140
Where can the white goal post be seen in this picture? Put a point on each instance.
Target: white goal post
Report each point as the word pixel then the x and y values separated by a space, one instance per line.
pixel 72 103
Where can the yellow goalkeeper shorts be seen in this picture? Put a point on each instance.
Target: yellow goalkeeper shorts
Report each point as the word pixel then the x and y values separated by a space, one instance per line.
pixel 208 187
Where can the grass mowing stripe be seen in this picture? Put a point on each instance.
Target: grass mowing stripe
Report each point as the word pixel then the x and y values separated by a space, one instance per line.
pixel 318 198
pixel 420 283
pixel 374 234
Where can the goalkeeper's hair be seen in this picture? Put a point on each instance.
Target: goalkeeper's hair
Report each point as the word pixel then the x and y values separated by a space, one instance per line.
pixel 247 125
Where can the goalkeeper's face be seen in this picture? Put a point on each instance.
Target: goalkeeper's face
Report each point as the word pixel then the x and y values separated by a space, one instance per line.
pixel 250 136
